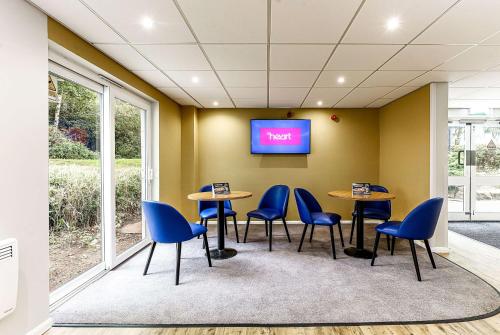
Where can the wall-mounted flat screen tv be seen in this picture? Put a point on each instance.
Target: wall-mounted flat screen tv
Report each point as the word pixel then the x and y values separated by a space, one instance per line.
pixel 280 136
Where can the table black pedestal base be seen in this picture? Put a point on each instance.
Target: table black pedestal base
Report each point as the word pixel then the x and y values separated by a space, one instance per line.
pixel 358 253
pixel 222 254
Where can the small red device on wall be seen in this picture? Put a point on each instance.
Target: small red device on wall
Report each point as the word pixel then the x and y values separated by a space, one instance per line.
pixel 334 118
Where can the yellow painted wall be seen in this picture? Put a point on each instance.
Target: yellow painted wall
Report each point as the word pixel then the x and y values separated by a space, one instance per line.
pixel 341 153
pixel 405 149
pixel 170 112
pixel 189 158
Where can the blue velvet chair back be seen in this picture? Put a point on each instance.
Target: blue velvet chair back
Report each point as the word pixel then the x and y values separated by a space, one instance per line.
pixel 421 222
pixel 381 205
pixel 276 197
pixel 306 204
pixel 202 205
pixel 165 223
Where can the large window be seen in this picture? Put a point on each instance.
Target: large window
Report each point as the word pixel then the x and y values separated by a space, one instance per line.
pixel 100 161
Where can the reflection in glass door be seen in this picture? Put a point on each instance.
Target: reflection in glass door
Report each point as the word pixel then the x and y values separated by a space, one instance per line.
pixel 130 185
pixel 474 171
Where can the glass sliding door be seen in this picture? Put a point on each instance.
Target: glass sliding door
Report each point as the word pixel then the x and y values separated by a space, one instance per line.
pixel 130 165
pixel 458 171
pixel 75 179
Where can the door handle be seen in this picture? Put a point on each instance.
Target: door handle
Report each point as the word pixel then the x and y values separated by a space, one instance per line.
pixel 460 158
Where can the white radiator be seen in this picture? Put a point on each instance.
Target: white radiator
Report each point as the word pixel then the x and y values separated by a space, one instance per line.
pixel 9 269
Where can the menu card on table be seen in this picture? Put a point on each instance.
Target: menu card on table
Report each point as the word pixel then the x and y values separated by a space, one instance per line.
pixel 360 189
pixel 220 189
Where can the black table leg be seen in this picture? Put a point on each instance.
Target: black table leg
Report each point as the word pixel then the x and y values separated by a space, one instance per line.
pixel 359 251
pixel 221 252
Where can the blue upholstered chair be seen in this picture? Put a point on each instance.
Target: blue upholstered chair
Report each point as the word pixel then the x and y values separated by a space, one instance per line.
pixel 418 225
pixel 311 213
pixel 272 206
pixel 167 225
pixel 208 210
pixel 378 210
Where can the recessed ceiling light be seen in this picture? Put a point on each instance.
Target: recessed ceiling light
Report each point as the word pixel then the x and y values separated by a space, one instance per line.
pixel 341 80
pixel 215 103
pixel 195 80
pixel 392 23
pixel 147 23
pixel 319 103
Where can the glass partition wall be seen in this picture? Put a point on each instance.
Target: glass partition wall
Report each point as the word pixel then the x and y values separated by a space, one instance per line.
pixel 99 164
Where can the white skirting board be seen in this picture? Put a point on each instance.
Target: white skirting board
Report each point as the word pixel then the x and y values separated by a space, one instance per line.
pixel 41 328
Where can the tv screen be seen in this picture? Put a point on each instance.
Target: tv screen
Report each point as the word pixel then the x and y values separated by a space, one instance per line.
pixel 280 136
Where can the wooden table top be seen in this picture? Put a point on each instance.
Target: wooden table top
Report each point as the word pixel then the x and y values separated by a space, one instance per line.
pixel 374 196
pixel 208 196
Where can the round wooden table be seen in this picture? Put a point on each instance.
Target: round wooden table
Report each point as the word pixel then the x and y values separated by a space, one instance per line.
pixel 359 251
pixel 221 252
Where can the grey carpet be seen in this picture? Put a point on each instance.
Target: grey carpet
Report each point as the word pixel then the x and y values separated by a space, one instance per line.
pixel 486 232
pixel 280 287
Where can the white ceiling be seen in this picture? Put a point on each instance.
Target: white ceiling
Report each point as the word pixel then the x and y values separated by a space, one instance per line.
pixel 290 53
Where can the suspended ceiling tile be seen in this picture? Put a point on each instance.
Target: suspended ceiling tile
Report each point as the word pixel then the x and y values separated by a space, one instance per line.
pixel 127 56
pixel 423 57
pixel 390 78
pixel 237 56
pixel 256 93
pixel 470 21
pixel 354 57
pixel 299 57
pixel 341 78
pixel 363 96
pixel 243 78
pixel 413 15
pixel 326 96
pixel 475 59
pixel 286 97
pixel 227 21
pixel 155 78
pixel 481 79
pixel 438 77
pixel 325 20
pixel 84 23
pixel 126 17
pixel 379 103
pixel 175 57
pixel 292 78
pixel 194 78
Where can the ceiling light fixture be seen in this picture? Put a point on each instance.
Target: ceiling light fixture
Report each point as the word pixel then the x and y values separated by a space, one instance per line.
pixel 392 24
pixel 319 103
pixel 195 80
pixel 147 23
pixel 341 80
pixel 215 103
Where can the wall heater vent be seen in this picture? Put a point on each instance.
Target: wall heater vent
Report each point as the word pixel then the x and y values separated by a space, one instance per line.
pixel 9 270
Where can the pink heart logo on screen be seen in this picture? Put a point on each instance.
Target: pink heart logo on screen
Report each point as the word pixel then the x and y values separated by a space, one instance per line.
pixel 280 136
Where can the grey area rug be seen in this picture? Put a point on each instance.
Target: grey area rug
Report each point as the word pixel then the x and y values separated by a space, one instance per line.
pixel 486 232
pixel 280 287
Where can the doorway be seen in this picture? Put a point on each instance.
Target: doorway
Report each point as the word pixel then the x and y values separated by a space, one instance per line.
pixel 474 176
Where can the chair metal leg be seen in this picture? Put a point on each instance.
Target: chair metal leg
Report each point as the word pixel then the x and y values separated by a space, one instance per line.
pixel 267 231
pixel 271 235
pixel 415 261
pixel 153 246
pixel 312 232
pixel 341 235
pixel 352 228
pixel 429 251
pixel 302 238
pixel 332 240
pixel 178 267
pixel 205 242
pixel 388 238
pixel 246 230
pixel 393 245
pixel 201 223
pixel 206 223
pixel 225 225
pixel 286 230
pixel 375 247
pixel 236 229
